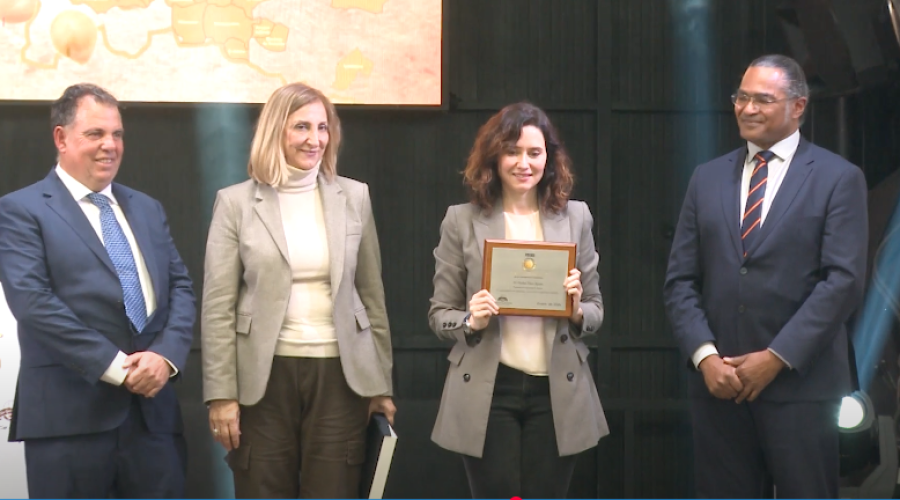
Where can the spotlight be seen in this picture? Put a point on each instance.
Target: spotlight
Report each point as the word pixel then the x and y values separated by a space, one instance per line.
pixel 853 412
pixel 868 449
pixel 858 437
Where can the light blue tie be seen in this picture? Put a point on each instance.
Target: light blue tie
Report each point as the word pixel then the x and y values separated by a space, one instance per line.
pixel 120 253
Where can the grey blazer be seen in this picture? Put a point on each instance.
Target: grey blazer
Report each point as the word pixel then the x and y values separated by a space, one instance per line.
pixel 463 416
pixel 247 285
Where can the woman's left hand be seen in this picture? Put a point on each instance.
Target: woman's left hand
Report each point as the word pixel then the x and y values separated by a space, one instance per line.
pixel 574 290
pixel 383 404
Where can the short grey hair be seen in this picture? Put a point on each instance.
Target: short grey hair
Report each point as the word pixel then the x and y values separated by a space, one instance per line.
pixel 796 78
pixel 62 112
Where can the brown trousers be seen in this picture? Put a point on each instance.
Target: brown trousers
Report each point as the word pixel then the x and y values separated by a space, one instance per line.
pixel 305 438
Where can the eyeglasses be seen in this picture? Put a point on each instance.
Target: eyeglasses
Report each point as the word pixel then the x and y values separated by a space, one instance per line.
pixel 741 99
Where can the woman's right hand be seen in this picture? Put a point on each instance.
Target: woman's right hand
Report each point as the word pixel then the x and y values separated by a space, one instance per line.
pixel 225 422
pixel 482 307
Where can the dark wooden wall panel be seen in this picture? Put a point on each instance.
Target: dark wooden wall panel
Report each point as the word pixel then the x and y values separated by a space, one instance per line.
pixel 652 374
pixel 506 50
pixel 611 453
pixel 650 181
pixel 26 146
pixel 419 373
pixel 663 440
pixel 412 164
pixel 662 48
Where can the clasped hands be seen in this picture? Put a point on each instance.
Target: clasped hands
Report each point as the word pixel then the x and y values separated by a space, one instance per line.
pixel 740 377
pixel 482 305
pixel 148 373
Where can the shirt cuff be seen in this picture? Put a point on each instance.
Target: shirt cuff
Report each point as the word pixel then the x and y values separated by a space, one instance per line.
pixel 115 374
pixel 174 370
pixel 704 351
pixel 782 359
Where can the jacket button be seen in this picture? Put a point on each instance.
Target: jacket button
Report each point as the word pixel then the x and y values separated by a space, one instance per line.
pixel 453 324
pixel 564 338
pixel 743 270
pixel 478 340
pixel 570 376
pixel 741 308
pixel 445 324
pixel 468 377
pixel 590 328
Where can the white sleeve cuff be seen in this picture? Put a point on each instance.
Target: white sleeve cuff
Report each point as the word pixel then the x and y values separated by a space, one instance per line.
pixel 703 352
pixel 115 374
pixel 174 370
pixel 782 359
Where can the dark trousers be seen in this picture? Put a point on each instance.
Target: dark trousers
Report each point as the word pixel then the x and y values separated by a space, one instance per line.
pixel 743 450
pixel 305 438
pixel 127 462
pixel 520 457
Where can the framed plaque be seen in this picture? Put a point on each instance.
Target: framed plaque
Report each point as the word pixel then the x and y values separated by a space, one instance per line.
pixel 526 277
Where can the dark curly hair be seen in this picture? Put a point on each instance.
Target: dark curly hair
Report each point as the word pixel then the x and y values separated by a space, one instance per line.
pixel 496 136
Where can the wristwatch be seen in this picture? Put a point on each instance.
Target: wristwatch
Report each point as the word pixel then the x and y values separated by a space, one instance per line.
pixel 467 328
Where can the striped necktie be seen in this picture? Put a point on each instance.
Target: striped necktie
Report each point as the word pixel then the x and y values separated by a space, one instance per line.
pixel 752 218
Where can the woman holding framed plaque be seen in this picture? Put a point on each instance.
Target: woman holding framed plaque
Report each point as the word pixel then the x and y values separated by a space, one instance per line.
pixel 296 343
pixel 519 400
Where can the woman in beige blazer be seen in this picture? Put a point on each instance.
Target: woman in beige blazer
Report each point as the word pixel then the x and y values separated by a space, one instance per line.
pixel 519 400
pixel 295 337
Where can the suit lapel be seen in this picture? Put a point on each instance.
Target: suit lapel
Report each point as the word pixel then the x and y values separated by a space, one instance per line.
pixel 60 200
pixel 731 198
pixel 138 224
pixel 556 227
pixel 269 213
pixel 334 208
pixel 794 178
pixel 488 225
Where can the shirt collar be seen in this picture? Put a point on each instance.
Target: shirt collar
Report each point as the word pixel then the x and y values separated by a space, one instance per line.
pixel 783 149
pixel 78 190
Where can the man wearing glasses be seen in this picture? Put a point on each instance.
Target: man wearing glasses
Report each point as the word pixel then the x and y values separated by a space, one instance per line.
pixel 767 265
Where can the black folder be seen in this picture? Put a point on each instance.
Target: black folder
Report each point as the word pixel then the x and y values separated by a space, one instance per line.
pixel 380 443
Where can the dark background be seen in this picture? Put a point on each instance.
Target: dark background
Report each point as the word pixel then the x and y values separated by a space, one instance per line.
pixel 639 90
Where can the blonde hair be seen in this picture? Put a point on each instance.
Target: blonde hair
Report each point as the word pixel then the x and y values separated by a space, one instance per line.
pixel 267 164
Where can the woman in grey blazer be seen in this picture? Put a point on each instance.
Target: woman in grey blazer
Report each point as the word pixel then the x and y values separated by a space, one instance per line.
pixel 295 337
pixel 519 400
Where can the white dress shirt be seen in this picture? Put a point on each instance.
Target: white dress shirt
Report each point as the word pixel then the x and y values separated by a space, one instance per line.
pixel 778 166
pixel 115 374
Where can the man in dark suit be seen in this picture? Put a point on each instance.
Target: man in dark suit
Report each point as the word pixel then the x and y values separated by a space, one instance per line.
pixel 105 317
pixel 767 265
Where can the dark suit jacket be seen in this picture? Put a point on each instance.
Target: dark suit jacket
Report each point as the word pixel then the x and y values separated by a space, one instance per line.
pixel 799 283
pixel 65 294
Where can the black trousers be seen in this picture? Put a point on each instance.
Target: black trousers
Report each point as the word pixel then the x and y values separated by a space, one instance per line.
pixel 306 436
pixel 743 450
pixel 520 456
pixel 127 462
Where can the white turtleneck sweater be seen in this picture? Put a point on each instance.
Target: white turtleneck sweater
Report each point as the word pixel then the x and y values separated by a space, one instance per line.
pixel 308 327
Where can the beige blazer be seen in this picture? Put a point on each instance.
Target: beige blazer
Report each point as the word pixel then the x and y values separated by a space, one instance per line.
pixel 463 416
pixel 247 285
